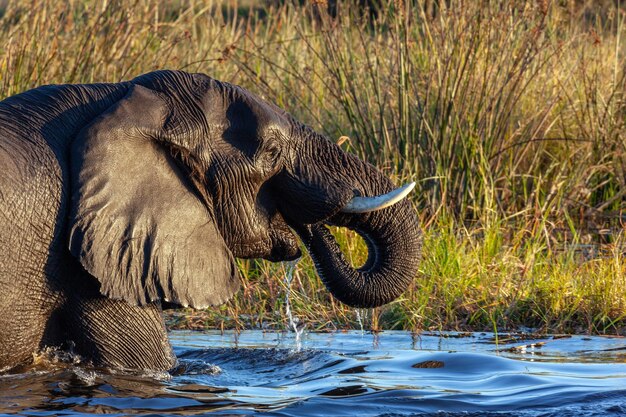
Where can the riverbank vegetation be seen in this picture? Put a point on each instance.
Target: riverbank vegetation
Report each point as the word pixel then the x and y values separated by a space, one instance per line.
pixel 509 115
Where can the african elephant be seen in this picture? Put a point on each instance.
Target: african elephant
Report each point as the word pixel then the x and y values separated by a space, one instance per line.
pixel 115 198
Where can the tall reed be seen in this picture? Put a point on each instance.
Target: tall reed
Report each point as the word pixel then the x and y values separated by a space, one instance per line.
pixel 510 115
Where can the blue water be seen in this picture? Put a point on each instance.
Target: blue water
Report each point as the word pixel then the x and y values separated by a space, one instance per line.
pixel 342 374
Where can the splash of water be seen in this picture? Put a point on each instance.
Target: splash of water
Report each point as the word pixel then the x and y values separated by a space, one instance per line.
pixel 294 322
pixel 359 319
pixel 51 356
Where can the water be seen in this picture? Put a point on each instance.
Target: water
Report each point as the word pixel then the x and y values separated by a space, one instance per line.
pixel 343 374
pixel 294 322
pixel 359 320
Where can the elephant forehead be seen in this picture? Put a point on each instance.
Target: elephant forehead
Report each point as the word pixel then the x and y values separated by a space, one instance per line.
pixel 231 107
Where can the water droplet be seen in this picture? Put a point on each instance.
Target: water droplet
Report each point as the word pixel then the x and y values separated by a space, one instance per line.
pixel 359 320
pixel 294 322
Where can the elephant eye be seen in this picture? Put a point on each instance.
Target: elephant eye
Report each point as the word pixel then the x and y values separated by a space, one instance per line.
pixel 269 157
pixel 273 153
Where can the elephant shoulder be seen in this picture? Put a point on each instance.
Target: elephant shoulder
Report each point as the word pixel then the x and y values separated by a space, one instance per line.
pixel 32 194
pixel 25 163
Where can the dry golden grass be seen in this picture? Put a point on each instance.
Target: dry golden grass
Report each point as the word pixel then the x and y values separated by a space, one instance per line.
pixel 510 115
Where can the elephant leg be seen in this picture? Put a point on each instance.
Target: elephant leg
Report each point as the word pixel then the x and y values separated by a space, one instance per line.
pixel 23 322
pixel 114 333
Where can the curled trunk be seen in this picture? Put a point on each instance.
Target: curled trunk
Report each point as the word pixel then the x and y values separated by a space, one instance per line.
pixel 394 251
pixel 317 195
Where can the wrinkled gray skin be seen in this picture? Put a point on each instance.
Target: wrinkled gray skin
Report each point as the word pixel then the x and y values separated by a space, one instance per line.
pixel 115 198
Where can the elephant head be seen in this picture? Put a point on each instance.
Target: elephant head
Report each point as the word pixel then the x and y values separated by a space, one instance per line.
pixel 186 173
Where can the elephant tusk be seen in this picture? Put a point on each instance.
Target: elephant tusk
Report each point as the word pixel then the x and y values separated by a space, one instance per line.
pixel 367 204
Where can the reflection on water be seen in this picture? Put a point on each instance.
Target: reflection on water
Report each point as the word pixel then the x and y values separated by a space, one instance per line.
pixel 343 374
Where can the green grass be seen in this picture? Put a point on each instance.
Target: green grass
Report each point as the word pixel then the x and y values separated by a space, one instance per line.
pixel 510 115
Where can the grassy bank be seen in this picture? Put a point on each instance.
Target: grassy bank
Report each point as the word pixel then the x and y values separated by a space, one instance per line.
pixel 511 117
pixel 470 279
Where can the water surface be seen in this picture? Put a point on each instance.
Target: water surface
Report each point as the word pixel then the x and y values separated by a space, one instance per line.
pixel 343 374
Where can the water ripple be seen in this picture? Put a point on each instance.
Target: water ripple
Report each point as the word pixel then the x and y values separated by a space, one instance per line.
pixel 342 374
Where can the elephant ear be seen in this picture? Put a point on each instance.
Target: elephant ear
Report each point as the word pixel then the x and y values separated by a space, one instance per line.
pixel 136 223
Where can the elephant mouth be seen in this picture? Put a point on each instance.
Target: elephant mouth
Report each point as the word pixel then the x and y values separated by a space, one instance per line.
pixel 284 247
pixel 280 245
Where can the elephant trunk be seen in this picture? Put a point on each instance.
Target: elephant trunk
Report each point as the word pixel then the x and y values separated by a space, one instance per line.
pixel 392 233
pixel 394 247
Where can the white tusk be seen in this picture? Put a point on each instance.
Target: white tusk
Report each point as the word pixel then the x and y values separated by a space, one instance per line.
pixel 367 204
